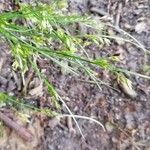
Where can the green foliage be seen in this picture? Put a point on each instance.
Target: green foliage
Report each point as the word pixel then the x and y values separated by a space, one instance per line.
pixel 21 104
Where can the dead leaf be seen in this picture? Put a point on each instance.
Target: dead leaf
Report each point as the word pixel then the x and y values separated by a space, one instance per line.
pixel 37 91
pixel 126 86
pixel 23 117
pixel 2 6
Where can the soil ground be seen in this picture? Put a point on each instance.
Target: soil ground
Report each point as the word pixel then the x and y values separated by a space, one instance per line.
pixel 127 121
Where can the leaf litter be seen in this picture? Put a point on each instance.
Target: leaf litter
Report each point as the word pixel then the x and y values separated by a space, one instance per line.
pixel 113 101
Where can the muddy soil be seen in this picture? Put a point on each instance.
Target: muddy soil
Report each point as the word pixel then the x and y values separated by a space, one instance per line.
pixel 127 120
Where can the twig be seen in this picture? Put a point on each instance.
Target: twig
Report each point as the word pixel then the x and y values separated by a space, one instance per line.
pixel 29 77
pixel 1 63
pixel 98 11
pixel 21 131
pixel 118 15
pixel 70 126
pixel 108 6
pixel 83 117
pixel 71 115
pixel 17 80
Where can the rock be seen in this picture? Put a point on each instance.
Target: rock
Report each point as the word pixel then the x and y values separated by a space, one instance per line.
pixel 130 121
pixel 141 27
pixel 11 86
pixel 109 126
pixel 53 122
pixel 3 80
